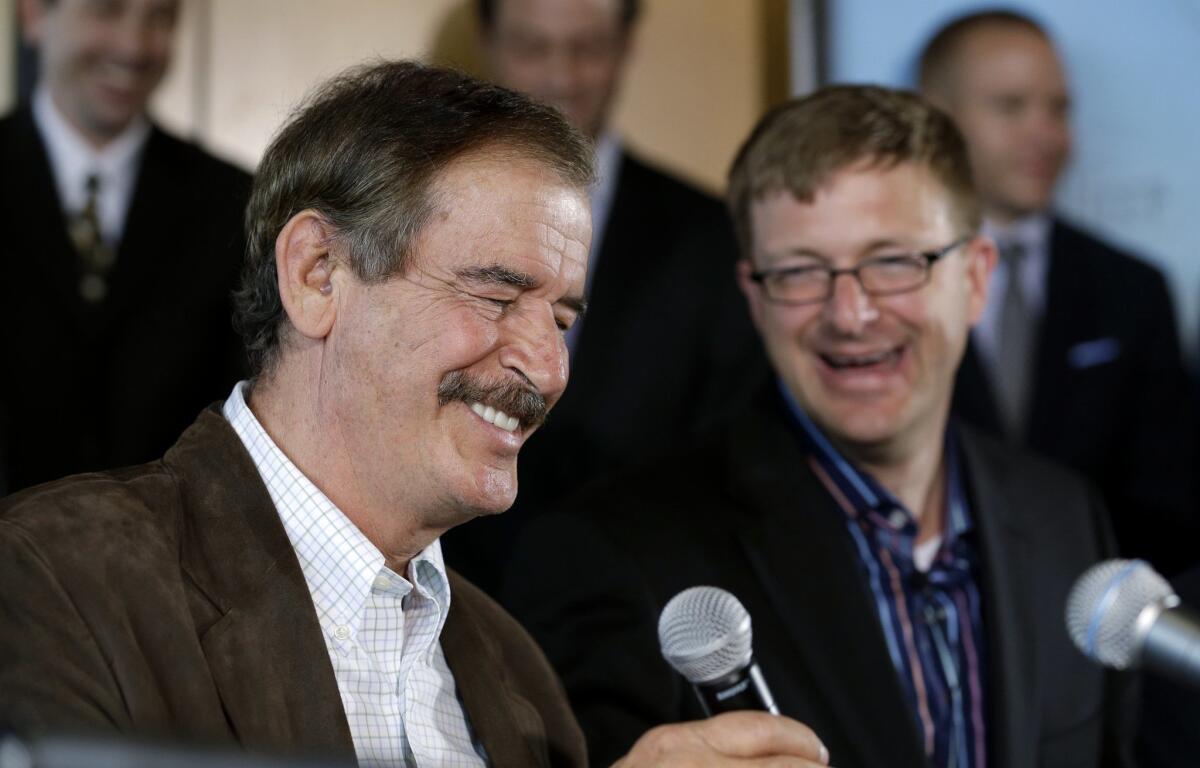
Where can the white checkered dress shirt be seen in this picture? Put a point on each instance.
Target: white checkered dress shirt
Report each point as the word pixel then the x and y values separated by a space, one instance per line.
pixel 381 629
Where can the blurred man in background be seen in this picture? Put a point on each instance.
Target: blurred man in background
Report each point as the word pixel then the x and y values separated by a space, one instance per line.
pixel 666 346
pixel 1077 355
pixel 123 245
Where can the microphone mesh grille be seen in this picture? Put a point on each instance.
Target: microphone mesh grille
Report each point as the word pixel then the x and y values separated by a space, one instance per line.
pixel 705 634
pixel 1104 605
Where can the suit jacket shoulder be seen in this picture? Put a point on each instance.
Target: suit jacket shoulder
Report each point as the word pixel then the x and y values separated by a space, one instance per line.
pixel 166 600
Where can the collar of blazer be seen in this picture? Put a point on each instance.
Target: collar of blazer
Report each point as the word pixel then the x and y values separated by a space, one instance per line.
pixel 259 631
pixel 795 537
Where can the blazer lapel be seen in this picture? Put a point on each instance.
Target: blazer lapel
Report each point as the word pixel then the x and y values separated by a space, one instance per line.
pixel 1007 596
pixel 1058 330
pixel 506 730
pixel 257 625
pixel 974 399
pixel 39 220
pixel 153 226
pixel 796 539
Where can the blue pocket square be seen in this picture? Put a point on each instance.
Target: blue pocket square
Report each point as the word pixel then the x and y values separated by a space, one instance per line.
pixel 1087 354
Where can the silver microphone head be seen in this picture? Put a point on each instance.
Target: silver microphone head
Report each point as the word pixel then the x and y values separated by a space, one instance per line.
pixel 705 634
pixel 1111 607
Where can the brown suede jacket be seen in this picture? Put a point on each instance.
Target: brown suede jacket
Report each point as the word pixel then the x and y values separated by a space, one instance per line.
pixel 166 600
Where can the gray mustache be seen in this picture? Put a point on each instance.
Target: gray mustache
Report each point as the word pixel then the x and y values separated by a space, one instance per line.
pixel 518 400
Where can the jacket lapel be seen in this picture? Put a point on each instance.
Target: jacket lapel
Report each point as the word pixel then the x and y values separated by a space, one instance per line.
pixel 1062 323
pixel 153 228
pixel 37 218
pixel 506 731
pixel 1007 596
pixel 257 625
pixel 974 399
pixel 797 542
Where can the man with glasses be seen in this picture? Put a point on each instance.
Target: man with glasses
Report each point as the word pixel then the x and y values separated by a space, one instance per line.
pixel 906 576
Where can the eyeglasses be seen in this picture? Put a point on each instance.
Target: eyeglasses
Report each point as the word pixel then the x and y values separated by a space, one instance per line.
pixel 881 276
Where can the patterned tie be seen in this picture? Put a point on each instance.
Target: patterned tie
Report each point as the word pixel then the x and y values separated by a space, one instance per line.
pixel 1013 361
pixel 96 258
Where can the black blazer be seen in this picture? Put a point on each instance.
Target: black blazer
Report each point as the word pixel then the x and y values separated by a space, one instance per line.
pixel 666 348
pixel 91 388
pixel 744 512
pixel 1110 394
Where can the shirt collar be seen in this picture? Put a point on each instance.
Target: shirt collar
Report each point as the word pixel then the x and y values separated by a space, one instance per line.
pixel 340 565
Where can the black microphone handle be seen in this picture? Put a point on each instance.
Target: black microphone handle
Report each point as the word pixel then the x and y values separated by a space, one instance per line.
pixel 740 690
pixel 1172 647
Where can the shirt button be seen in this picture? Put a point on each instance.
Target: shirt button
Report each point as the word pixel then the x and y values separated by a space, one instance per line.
pixel 898 519
pixel 341 632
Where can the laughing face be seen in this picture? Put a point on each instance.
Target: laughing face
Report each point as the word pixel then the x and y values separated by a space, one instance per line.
pixel 444 371
pixel 101 59
pixel 876 373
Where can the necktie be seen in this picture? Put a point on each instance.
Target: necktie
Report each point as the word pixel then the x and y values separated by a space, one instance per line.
pixel 1014 359
pixel 96 258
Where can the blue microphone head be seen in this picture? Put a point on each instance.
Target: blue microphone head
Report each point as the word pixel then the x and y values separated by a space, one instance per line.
pixel 1110 608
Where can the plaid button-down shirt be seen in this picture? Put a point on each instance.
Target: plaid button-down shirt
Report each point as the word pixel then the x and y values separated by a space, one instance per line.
pixel 381 629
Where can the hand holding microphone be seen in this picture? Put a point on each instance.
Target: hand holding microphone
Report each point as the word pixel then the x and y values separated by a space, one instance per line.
pixel 705 635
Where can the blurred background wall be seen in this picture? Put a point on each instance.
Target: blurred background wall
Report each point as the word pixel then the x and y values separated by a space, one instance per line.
pixel 702 70
pixel 8 53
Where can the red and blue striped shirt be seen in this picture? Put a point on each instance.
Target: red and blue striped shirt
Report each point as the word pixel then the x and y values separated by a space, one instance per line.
pixel 931 618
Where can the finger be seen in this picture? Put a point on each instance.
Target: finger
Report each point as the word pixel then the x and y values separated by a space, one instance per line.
pixel 758 734
pixel 775 761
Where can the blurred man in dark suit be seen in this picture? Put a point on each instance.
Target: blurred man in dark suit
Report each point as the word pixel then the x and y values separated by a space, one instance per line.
pixel 123 244
pixel 1077 356
pixel 666 346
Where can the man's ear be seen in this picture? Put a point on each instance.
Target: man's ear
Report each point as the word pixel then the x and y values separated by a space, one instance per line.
pixel 305 270
pixel 981 261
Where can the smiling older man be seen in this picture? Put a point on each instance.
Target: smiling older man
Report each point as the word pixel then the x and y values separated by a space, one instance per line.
pixel 418 242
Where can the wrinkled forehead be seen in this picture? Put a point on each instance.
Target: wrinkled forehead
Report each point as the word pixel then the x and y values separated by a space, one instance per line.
pixel 504 208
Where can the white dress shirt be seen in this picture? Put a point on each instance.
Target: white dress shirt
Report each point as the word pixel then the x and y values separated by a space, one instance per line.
pixel 73 160
pixel 1032 232
pixel 381 629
